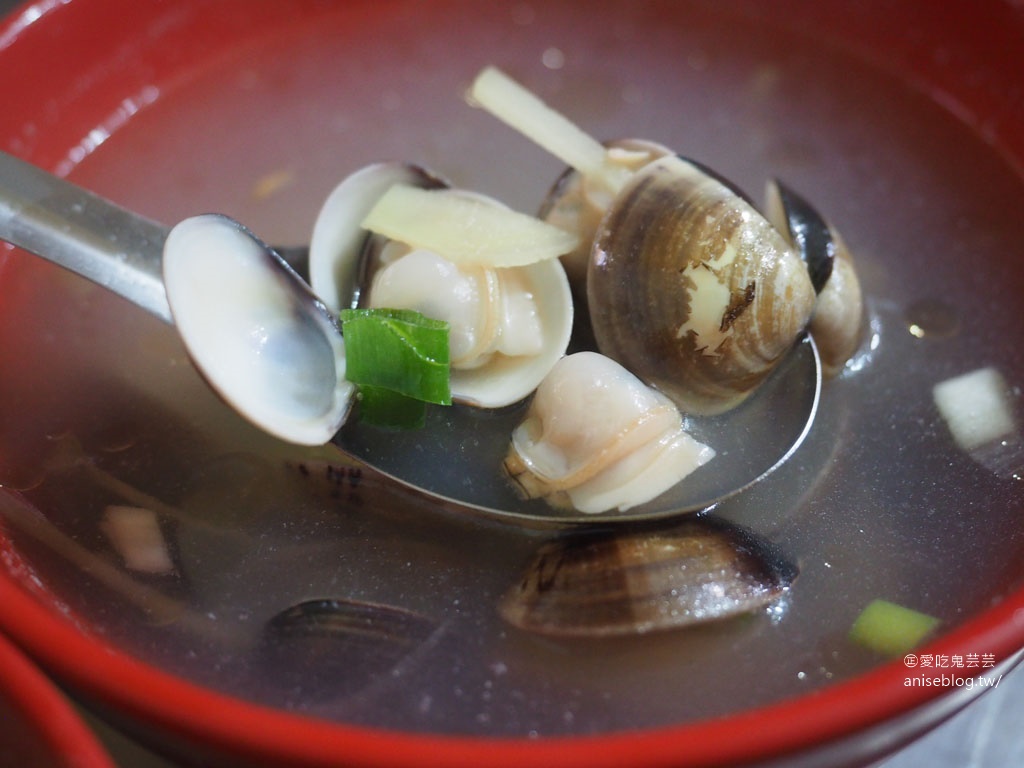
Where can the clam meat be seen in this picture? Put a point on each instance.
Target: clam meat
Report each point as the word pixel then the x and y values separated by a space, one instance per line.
pixel 509 324
pixel 608 584
pixel 596 438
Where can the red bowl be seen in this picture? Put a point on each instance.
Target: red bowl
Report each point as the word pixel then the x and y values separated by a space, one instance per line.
pixel 74 66
pixel 38 725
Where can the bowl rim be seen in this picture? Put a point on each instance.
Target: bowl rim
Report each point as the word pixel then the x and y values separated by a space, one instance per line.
pixel 167 704
pixel 121 683
pixel 47 715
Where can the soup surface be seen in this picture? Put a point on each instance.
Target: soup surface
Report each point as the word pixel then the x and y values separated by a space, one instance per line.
pixel 878 503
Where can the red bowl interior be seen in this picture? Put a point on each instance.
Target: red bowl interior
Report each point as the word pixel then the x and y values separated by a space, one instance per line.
pixel 978 78
pixel 38 725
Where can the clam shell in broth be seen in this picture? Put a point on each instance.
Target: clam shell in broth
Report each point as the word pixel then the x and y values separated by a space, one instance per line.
pixel 838 322
pixel 692 289
pixel 490 306
pixel 346 646
pixel 604 584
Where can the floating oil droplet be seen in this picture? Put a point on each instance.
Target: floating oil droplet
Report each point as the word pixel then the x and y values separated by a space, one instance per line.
pixel 932 318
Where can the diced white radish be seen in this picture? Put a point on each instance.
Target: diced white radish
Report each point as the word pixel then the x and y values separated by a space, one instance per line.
pixel 977 407
pixel 135 534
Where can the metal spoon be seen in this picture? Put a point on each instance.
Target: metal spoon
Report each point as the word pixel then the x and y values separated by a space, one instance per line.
pixel 456 457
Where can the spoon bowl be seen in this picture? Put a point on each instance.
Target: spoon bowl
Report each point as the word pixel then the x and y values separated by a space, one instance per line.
pixel 456 457
pixel 750 441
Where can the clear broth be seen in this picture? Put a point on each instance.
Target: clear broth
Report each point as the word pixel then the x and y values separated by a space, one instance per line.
pixel 878 503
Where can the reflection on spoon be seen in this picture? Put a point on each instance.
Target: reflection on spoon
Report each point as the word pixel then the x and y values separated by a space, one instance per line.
pixel 456 456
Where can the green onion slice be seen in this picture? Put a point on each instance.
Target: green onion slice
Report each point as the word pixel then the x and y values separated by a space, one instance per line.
pixel 399 350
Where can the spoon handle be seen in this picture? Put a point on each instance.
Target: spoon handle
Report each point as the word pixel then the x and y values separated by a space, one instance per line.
pixel 84 233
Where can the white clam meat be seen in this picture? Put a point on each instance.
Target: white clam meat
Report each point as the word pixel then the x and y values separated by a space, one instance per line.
pixel 509 324
pixel 254 330
pixel 596 438
pixel 490 311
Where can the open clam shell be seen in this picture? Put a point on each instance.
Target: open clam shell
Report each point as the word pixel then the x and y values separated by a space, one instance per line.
pixel 251 342
pixel 337 272
pixel 345 260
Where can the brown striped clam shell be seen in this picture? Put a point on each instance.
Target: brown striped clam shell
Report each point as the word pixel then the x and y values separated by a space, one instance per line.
pixel 335 647
pixel 606 584
pixel 692 289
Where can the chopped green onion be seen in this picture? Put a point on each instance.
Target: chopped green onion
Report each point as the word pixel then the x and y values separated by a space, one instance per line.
pixel 399 359
pixel 891 629
pixel 400 350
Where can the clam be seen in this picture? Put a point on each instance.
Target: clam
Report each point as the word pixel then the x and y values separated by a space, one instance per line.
pixel 837 323
pixel 334 647
pixel 692 289
pixel 596 438
pixel 509 324
pixel 605 584
pixel 250 341
pixel 687 284
pixel 837 318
